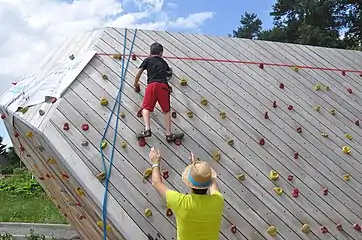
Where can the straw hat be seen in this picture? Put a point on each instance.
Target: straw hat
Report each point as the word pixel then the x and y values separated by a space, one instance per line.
pixel 199 175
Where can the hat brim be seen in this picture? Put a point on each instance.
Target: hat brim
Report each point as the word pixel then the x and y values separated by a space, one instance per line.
pixel 187 182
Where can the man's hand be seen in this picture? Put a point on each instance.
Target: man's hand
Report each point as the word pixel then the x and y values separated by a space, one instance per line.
pixel 155 155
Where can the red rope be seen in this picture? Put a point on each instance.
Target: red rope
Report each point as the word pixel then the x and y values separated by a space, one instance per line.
pixel 248 62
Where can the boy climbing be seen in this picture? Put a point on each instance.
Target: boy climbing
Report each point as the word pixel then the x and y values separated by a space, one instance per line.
pixel 157 90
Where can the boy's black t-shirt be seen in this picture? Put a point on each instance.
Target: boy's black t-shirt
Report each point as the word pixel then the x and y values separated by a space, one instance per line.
pixel 156 68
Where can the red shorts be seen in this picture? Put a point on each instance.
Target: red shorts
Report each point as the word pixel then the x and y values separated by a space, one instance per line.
pixel 157 92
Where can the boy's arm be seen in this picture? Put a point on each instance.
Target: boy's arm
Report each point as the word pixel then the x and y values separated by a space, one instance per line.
pixel 141 68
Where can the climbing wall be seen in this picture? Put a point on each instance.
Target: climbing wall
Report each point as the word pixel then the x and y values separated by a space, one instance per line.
pixel 278 122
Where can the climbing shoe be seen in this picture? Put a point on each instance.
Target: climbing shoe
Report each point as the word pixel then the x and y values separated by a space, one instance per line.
pixel 144 134
pixel 172 137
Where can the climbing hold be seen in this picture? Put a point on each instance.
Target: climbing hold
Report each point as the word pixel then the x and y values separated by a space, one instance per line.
pixel 305 228
pixel 47 175
pixel 85 143
pixel 148 212
pixel 262 141
pixel 325 191
pixel 261 65
pixel 54 100
pixel 357 227
pixel 65 176
pixel 3 116
pixel 324 229
pixel 100 224
pixel 278 190
pixel 165 174
pixel 299 130
pixel 343 73
pixel 104 144
pixel 141 141
pixel 272 230
pixel 281 85
pixel 66 126
pixel 290 107
pixel 117 56
pixel 240 177
pixel 190 114
pixel 223 115
pixel 139 113
pixel 77 204
pixel 273 175
pixel 317 108
pixel 22 149
pixel 317 87
pixel 296 155
pixel 36 166
pixel 104 102
pixel 332 111
pixel 71 57
pixel 105 77
pixel 233 229
pixel 85 127
pixel 178 142
pixel 51 161
pixel 346 177
pixel 290 177
pixel 266 116
pixel 349 90
pixel 346 149
pixel 123 144
pixel 168 212
pixel 327 88
pixel 356 122
pixel 137 88
pixel 41 112
pixel 147 174
pixel 230 142
pixel 349 137
pixel 81 217
pixel 203 101
pixel 275 104
pixel 122 115
pixel 295 192
pixel 24 110
pixel 134 57
pixel 101 176
pixel 29 134
pixel 325 134
pixel 183 82
pixel 216 155
pixel 174 114
pixel 80 192
pixel 16 134
pixel 41 178
pixel 339 227
pixel 295 69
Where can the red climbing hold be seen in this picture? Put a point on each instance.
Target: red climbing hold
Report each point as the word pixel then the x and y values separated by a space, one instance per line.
pixel 339 227
pixel 66 126
pixel 85 127
pixel 343 73
pixel 165 174
pixel 141 142
pixel 299 130
pixel 290 107
pixel 16 134
pixel 14 83
pixel 134 57
pixel 325 191
pixel 137 89
pixel 275 104
pixel 233 229
pixel 295 192
pixel 169 212
pixel 174 114
pixel 357 227
pixel 324 229
pixel 281 85
pixel 266 116
pixel 54 99
pixel 262 141
pixel 139 113
pixel 41 178
pixel 178 142
pixel 77 204
pixel 290 177
pixel 261 65
pixel 356 122
pixel 296 155
pixel 22 149
pixel 47 175
pixel 81 217
pixel 3 116
pixel 349 90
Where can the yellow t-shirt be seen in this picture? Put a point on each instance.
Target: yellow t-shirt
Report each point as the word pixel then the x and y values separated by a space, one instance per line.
pixel 198 217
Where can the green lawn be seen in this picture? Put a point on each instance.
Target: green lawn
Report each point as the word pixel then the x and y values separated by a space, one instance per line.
pixel 23 200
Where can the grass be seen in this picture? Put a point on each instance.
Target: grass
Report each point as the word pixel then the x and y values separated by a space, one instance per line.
pixel 23 200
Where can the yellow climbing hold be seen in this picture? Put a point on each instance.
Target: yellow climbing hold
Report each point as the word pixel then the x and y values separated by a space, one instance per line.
pixel 104 102
pixel 51 161
pixel 325 134
pixel 346 149
pixel 278 190
pixel 332 111
pixel 104 144
pixel 147 174
pixel 29 134
pixel 190 114
pixel 317 108
pixel 273 175
pixel 222 115
pixel 240 177
pixel 100 224
pixel 295 69
pixel 101 176
pixel 216 155
pixel 317 87
pixel 24 110
pixel 346 177
pixel 203 101
pixel 123 144
pixel 148 212
pixel 305 228
pixel 105 77
pixel 122 115
pixel 80 192
pixel 272 230
pixel 348 136
pixel 230 142
pixel 117 56
pixel 183 82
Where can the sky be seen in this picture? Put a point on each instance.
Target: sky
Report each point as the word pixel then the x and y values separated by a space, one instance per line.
pixel 31 28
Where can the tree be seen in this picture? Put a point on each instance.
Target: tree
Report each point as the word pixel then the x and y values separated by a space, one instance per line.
pixel 2 147
pixel 250 27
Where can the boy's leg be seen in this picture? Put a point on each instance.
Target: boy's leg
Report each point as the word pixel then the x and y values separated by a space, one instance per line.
pixel 149 102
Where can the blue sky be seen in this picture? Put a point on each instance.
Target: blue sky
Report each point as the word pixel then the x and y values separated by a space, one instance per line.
pixel 226 18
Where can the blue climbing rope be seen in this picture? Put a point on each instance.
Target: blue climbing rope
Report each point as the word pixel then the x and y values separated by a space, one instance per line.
pixel 118 101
